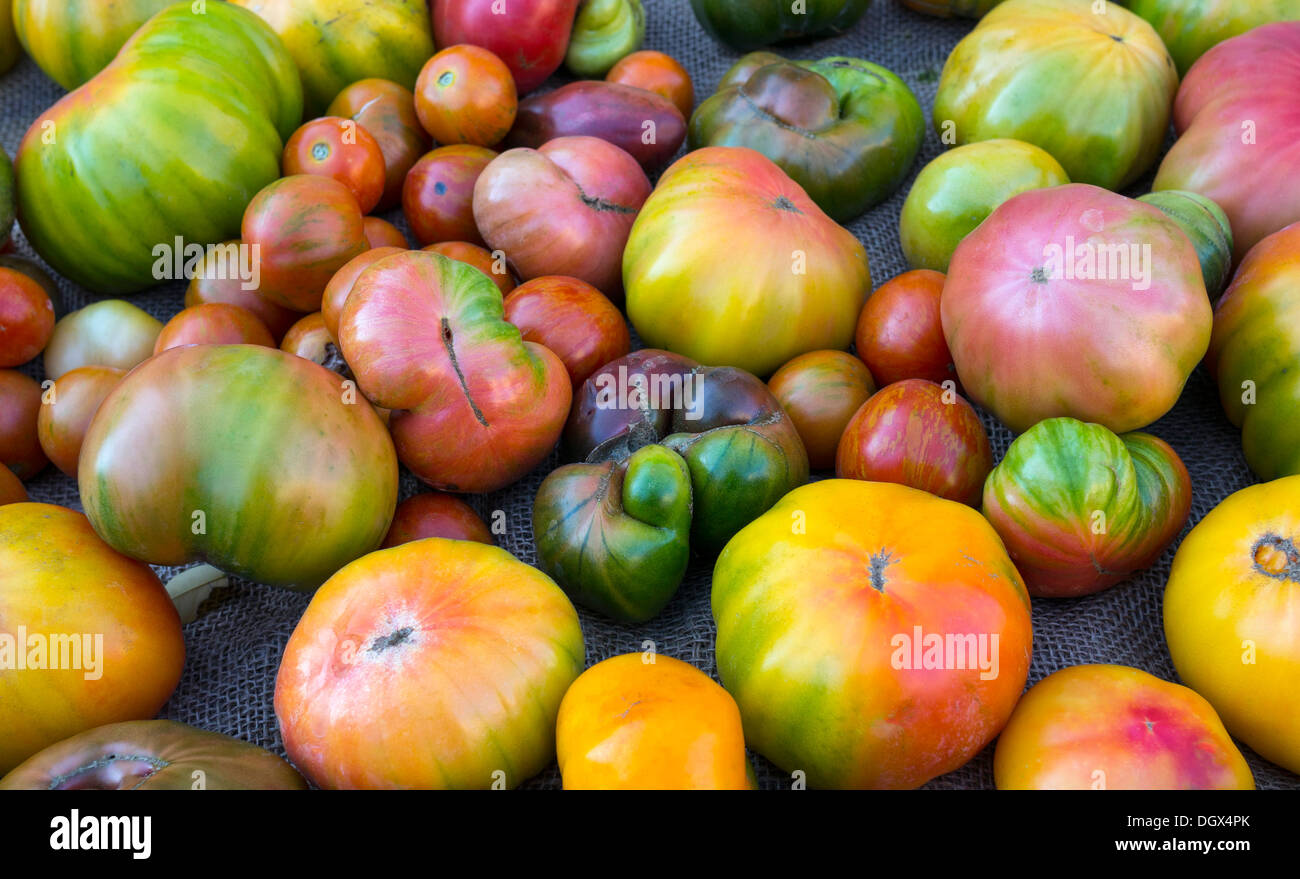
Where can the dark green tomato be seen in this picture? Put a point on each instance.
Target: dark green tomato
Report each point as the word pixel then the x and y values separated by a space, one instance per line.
pixel 615 534
pixel 752 24
pixel 844 129
pixel 1205 223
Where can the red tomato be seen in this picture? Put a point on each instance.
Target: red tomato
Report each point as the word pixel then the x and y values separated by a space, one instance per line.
pixel 337 290
pixel 465 94
pixel 918 434
pixel 658 73
pixel 438 197
pixel 479 258
pixel 436 514
pixel 342 149
pixel 530 36
pixel 26 318
pixel 900 334
pixel 11 487
pixel 63 420
pixel 573 319
pixel 381 233
pixel 387 111
pixel 206 286
pixel 20 403
pixel 213 324
pixel 821 391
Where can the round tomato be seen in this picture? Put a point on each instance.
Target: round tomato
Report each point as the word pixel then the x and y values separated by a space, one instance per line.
pixel 649 722
pixel 93 637
pixel 341 149
pixel 215 323
pixel 309 338
pixel 465 94
pixel 438 197
pixel 387 111
pixel 26 318
pixel 20 406
pixel 12 490
pixel 529 36
pixel 1108 727
pixel 473 255
pixel 1232 610
pixel 434 664
pixel 381 233
pixel 111 332
pixel 68 409
pixel 900 330
pixel 210 283
pixel 658 73
pixel 435 514
pixel 573 319
pixel 231 454
pixel 821 390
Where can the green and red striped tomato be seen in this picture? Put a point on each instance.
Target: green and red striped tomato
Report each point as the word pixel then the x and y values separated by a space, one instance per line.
pixel 1080 509
pixel 1092 88
pixel 1207 227
pixel 1255 354
pixel 171 139
pixel 256 461
pixel 337 42
pixel 1192 27
pixel 72 40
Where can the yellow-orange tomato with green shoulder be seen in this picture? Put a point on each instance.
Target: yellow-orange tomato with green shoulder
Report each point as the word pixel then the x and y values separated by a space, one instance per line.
pixel 1110 727
pixel 433 664
pixel 1232 611
pixel 116 633
pixel 650 723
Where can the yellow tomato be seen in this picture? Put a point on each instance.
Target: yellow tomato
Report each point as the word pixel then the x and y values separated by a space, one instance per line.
pixel 645 722
pixel 1232 616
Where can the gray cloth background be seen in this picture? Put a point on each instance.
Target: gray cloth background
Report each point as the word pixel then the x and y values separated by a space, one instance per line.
pixel 235 645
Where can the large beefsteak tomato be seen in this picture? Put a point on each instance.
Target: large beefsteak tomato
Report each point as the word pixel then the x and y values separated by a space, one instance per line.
pixel 1190 28
pixel 72 40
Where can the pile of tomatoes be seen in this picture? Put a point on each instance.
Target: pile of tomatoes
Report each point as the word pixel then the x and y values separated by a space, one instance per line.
pixel 662 290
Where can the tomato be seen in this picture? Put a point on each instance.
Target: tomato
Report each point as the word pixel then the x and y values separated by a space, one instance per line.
pixel 97 636
pixel 638 722
pixel 1080 509
pixel 342 149
pixel 216 323
pixel 473 255
pixel 475 406
pixel 900 331
pixel 438 197
pixel 658 73
pixel 1231 611
pixel 340 285
pixel 961 187
pixel 208 100
pixel 751 24
pixel 231 454
pixel 309 339
pixel 111 332
pixel 12 490
pixel 1191 27
pixel 434 664
pixel 1255 351
pixel 918 434
pixel 1208 228
pixel 952 8
pixel 604 32
pixel 10 50
pixel 381 233
pixel 20 404
pixel 784 280
pixel 1079 302
pixel 387 111
pixel 1090 85
pixel 26 318
pixel 530 36
pixel 307 227
pixel 153 755
pixel 573 319
pixel 872 635
pixel 821 390
pixel 1108 727
pixel 213 281
pixel 7 209
pixel 465 94
pixel 72 40
pixel 67 409
pixel 435 514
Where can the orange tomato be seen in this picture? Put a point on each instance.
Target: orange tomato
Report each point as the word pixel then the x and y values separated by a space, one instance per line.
pixel 12 490
pixel 70 405
pixel 381 233
pixel 900 334
pixel 342 149
pixel 478 257
pixel 465 94
pixel 215 323
pixel 435 514
pixel 20 405
pixel 820 391
pixel 650 723
pixel 26 318
pixel 387 111
pixel 208 285
pixel 658 73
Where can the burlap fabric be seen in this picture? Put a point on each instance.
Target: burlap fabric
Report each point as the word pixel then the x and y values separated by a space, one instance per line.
pixel 235 645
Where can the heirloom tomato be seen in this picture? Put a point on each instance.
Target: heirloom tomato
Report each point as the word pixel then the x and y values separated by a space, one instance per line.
pixel 820 391
pixel 1207 226
pixel 874 636
pixel 72 40
pixel 604 32
pixel 494 266
pixel 12 490
pixel 632 723
pixel 67 410
pixel 573 319
pixel 1191 27
pixel 900 331
pixel 1109 727
pixel 1232 610
pixel 340 285
pixel 10 52
pixel 752 24
pixel 465 94
pixel 1080 509
pixel 216 323
pixel 435 514
pixel 952 8
pixel 213 281
pixel 87 636
pixel 258 462
pixel 783 280
pixel 111 332
pixel 20 406
pixel 310 339
pixel 530 36
pixel 381 233
pixel 340 148
pixel 658 73
pixel 434 664
pixel 26 318
pixel 438 196
pixel 387 111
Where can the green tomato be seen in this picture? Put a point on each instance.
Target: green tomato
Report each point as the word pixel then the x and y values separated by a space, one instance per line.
pixel 745 25
pixel 604 32
pixel 72 40
pixel 959 189
pixel 1207 226
pixel 1190 28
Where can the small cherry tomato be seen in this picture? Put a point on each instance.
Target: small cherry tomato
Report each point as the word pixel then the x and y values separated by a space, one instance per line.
pixel 900 335
pixel 26 318
pixel 340 148
pixel 821 390
pixel 658 73
pixel 387 111
pixel 381 233
pixel 438 197
pixel 67 409
pixel 465 94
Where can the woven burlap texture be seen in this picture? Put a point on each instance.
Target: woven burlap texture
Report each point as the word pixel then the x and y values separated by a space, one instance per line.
pixel 235 645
